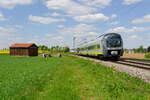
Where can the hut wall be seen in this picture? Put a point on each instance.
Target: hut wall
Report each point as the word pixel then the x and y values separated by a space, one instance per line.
pixel 19 52
pixel 12 52
pixel 33 51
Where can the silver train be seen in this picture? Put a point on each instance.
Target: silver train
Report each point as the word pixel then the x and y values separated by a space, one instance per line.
pixel 107 45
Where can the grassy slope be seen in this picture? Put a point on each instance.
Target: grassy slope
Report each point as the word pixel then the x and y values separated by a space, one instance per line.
pixel 67 78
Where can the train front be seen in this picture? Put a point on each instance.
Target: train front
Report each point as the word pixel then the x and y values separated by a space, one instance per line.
pixel 113 45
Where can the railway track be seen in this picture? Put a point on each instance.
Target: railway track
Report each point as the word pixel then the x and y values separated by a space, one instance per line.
pixel 134 63
pixel 138 63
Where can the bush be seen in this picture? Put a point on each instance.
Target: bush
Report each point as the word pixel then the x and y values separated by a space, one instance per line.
pixel 147 56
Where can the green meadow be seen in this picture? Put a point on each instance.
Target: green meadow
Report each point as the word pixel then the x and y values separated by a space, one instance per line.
pixel 66 78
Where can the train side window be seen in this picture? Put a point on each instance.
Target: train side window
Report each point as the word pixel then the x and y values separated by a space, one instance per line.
pixel 98 46
pixel 89 47
pixel 101 44
pixel 93 47
pixel 84 48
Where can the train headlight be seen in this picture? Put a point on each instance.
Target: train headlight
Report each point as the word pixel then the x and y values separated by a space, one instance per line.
pixel 114 52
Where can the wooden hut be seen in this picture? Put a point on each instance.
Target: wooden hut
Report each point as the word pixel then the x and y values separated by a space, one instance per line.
pixel 24 49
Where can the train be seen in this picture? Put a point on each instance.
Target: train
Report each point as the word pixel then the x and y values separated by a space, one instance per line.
pixel 108 45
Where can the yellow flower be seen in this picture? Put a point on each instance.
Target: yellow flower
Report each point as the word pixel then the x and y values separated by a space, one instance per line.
pixel 4 51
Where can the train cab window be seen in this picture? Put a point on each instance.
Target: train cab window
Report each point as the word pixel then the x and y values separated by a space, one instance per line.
pixel 113 41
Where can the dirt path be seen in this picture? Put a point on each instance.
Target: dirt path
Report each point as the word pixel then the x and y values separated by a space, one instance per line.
pixel 134 55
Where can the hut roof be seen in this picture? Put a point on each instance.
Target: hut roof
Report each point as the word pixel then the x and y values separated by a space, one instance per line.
pixel 22 45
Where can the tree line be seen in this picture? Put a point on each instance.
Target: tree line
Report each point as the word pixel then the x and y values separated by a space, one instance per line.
pixel 140 49
pixel 54 48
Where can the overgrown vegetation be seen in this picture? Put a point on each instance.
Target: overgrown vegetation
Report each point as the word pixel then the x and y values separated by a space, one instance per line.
pixel 147 56
pixel 140 49
pixel 54 48
pixel 67 78
pixel 148 49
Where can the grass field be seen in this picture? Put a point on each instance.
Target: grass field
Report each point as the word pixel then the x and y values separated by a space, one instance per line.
pixel 67 78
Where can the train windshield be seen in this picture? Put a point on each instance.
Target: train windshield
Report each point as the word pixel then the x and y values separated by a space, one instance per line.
pixel 113 41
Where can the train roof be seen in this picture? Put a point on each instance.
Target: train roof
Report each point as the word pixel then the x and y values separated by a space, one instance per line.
pixel 93 40
pixel 107 34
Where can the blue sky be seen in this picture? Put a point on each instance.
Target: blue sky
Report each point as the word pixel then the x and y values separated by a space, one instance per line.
pixel 56 22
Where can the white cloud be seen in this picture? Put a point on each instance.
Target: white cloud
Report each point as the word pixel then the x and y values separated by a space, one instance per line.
pixel 19 26
pixel 55 14
pixel 96 3
pixel 114 23
pixel 92 34
pixel 134 41
pixel 9 40
pixel 148 36
pixel 135 37
pixel 128 30
pixel 8 36
pixel 91 18
pixel 113 16
pixel 80 10
pixel 60 26
pixel 5 30
pixel 79 30
pixel 10 4
pixel 69 6
pixel 9 29
pixel 145 19
pixel 2 18
pixel 49 40
pixel 129 2
pixel 44 20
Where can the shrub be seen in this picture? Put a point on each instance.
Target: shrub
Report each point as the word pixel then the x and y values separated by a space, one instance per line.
pixel 147 56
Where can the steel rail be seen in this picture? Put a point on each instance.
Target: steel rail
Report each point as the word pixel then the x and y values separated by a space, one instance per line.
pixel 136 65
pixel 137 62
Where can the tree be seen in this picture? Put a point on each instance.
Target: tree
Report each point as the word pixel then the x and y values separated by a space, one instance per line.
pixel 126 50
pixel 66 49
pixel 54 48
pixel 134 50
pixel 43 47
pixel 60 49
pixel 140 49
pixel 148 49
